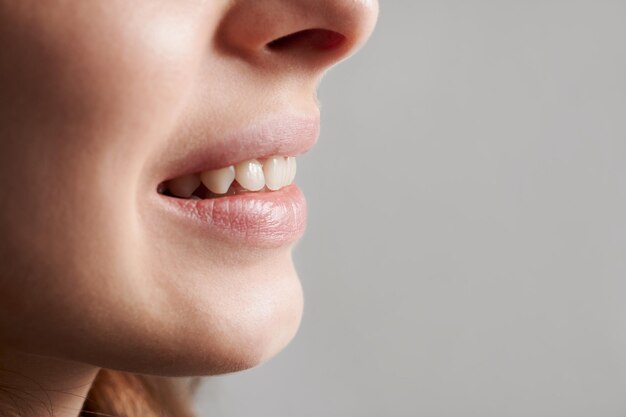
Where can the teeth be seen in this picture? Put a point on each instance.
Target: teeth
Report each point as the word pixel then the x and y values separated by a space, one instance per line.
pixel 274 173
pixel 291 169
pixel 275 170
pixel 249 175
pixel 184 186
pixel 218 180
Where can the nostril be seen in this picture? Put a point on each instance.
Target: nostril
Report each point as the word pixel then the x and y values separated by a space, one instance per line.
pixel 317 39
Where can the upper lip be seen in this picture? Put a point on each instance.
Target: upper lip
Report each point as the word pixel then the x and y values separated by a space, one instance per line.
pixel 281 135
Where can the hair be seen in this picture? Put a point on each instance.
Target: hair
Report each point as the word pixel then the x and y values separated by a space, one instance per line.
pixel 123 394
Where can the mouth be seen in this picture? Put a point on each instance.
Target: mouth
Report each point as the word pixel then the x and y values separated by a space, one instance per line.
pixel 223 192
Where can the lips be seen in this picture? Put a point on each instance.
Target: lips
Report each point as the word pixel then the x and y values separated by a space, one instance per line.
pixel 264 218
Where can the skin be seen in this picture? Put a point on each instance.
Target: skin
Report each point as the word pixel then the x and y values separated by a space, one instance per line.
pixel 94 97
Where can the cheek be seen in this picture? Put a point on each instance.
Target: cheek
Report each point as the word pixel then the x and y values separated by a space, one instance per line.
pixel 86 96
pixel 87 91
pixel 79 81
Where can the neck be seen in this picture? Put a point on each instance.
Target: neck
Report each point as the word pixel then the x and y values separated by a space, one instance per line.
pixel 34 386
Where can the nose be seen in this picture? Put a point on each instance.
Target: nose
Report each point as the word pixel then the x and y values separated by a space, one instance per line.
pixel 305 34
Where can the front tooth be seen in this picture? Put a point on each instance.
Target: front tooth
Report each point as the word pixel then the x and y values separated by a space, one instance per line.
pixel 184 186
pixel 291 169
pixel 275 171
pixel 218 180
pixel 249 175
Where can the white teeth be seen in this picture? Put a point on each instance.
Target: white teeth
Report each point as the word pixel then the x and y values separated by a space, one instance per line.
pixel 291 169
pixel 279 171
pixel 249 175
pixel 184 186
pixel 218 180
pixel 275 170
pixel 274 173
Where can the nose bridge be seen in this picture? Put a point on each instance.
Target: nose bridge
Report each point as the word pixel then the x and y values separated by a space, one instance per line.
pixel 315 32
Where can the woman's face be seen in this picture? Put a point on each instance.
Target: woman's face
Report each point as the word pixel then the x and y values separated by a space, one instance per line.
pixel 107 261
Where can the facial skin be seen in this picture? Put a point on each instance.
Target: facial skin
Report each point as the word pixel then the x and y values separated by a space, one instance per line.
pixel 96 98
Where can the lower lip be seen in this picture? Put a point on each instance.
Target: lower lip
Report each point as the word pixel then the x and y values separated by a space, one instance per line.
pixel 262 219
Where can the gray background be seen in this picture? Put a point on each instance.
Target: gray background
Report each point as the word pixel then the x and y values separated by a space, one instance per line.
pixel 466 251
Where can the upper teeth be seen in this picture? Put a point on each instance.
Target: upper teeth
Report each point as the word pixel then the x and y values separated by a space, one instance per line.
pixel 249 175
pixel 218 180
pixel 184 186
pixel 275 172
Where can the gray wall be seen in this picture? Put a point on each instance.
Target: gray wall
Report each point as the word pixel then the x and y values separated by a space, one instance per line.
pixel 466 252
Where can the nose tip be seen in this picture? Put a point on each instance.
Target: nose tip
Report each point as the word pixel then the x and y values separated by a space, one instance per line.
pixel 315 33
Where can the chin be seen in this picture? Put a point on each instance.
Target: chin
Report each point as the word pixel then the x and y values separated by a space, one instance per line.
pixel 257 337
pixel 257 330
pixel 211 323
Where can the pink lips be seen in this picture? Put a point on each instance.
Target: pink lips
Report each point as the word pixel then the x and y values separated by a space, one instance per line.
pixel 267 219
pixel 259 219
